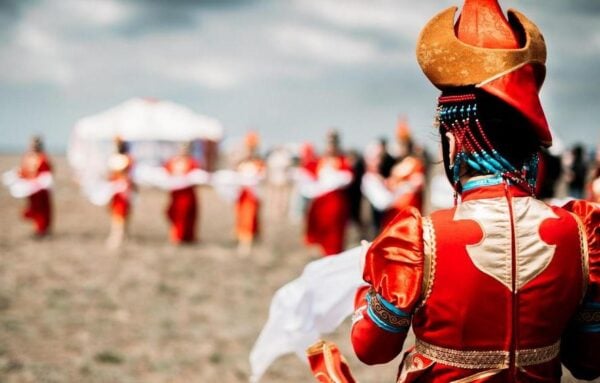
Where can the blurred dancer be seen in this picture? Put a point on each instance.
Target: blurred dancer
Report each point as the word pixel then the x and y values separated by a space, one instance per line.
pixel 329 209
pixel 379 162
pixel 594 185
pixel 407 177
pixel 183 208
pixel 357 165
pixel 577 171
pixel 404 185
pixel 279 163
pixel 305 170
pixel 35 164
pixel 550 170
pixel 120 165
pixel 251 170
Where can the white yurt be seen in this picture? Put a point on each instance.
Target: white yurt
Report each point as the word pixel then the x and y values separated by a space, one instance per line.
pixel 153 129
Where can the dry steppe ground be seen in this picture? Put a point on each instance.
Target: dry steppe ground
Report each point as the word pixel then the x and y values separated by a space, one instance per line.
pixel 72 311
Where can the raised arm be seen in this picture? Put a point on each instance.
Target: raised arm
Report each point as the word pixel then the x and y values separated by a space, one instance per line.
pixel 394 271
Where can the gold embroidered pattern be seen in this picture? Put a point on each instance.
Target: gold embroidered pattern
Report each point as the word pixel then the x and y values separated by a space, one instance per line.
pixel 588 317
pixel 486 359
pixel 585 263
pixel 532 356
pixel 463 359
pixel 384 314
pixel 429 261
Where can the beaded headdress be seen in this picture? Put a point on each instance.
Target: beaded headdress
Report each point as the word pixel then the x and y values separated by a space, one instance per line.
pixel 459 115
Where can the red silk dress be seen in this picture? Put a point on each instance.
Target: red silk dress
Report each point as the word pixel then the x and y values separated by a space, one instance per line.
pixel 248 203
pixel 409 176
pixel 328 214
pixel 120 166
pixel 39 209
pixel 183 209
pixel 501 288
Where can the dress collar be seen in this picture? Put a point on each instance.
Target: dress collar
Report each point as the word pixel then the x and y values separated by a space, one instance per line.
pixel 490 187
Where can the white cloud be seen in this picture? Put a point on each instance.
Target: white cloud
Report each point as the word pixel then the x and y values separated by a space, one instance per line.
pixel 214 73
pixel 88 13
pixel 306 42
pixel 33 55
pixel 404 17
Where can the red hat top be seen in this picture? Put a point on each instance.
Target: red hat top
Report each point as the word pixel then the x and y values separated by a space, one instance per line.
pixel 403 129
pixel 504 57
pixel 251 140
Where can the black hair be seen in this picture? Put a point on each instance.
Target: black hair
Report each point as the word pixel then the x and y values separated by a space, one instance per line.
pixel 506 129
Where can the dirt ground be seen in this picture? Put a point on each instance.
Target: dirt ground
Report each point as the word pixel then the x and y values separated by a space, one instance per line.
pixel 71 311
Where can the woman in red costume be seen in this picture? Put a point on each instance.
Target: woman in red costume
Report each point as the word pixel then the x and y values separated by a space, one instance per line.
pixel 407 176
pixel 251 170
pixel 502 287
pixel 329 212
pixel 183 209
pixel 35 163
pixel 119 167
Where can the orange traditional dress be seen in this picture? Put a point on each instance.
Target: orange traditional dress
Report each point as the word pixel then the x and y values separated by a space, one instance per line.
pixel 39 209
pixel 248 202
pixel 328 214
pixel 119 166
pixel 183 209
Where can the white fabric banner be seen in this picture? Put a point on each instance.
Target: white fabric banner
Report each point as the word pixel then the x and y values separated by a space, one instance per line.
pixel 23 187
pixel 301 311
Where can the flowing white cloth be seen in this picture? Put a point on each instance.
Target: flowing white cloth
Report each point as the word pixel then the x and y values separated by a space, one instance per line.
pixel 159 177
pixel 378 194
pixel 374 189
pixel 315 303
pixel 100 192
pixel 328 180
pixel 229 183
pixel 24 187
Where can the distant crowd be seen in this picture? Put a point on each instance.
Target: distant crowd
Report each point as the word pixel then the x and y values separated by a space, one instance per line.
pixel 326 190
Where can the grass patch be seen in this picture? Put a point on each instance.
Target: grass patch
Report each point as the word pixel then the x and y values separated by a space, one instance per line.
pixel 109 357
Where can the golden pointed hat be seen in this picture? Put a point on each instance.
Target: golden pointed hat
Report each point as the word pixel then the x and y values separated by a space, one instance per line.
pixel 504 57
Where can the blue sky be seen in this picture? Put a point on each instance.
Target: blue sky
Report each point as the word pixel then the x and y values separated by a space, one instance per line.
pixel 289 69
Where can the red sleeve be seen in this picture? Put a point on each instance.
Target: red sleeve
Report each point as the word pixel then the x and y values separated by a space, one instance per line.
pixel 394 272
pixel 581 341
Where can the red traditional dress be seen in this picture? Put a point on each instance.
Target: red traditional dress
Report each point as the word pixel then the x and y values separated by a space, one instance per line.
pixel 407 179
pixel 328 213
pixel 502 287
pixel 485 306
pixel 39 209
pixel 183 209
pixel 248 203
pixel 120 166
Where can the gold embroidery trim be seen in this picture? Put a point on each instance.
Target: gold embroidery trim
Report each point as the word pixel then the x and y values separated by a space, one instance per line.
pixel 587 317
pixel 532 356
pixel 585 262
pixel 486 359
pixel 384 314
pixel 429 261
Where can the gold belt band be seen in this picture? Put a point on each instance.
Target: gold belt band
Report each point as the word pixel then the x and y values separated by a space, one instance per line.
pixel 486 359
